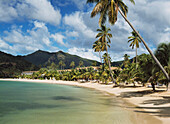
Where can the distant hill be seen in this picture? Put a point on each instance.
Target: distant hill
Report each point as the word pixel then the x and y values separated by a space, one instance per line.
pixel 44 58
pixel 10 65
pixel 115 64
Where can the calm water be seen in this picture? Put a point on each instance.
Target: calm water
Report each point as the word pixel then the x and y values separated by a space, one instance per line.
pixel 37 103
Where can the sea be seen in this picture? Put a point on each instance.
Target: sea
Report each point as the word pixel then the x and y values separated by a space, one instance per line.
pixel 42 103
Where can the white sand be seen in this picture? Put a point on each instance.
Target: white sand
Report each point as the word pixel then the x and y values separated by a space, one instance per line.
pixel 160 105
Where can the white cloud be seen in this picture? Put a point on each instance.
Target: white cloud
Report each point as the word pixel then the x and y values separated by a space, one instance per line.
pixel 25 42
pixel 15 36
pixel 72 33
pixel 41 10
pixel 76 21
pixel 59 38
pixel 39 24
pixel 84 53
pixel 7 13
pixel 167 29
pixel 149 17
pixel 4 46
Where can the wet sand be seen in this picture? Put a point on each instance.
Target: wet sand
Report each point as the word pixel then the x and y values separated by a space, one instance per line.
pixel 153 107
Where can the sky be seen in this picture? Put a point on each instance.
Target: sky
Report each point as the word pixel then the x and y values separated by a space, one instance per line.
pixel 52 25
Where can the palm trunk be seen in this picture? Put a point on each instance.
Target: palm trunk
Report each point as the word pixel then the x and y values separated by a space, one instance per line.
pixel 100 57
pixel 136 57
pixel 153 56
pixel 110 66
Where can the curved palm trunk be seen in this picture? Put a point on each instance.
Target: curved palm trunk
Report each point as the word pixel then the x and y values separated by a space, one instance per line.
pixel 110 66
pixel 136 57
pixel 153 56
pixel 100 57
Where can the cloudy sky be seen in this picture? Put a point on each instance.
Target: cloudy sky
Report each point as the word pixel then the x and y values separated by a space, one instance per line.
pixel 53 25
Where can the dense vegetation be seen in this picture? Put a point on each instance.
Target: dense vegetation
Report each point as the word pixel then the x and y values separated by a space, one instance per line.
pixel 142 72
pixel 11 66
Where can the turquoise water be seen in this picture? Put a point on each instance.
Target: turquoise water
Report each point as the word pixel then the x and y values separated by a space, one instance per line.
pixel 38 103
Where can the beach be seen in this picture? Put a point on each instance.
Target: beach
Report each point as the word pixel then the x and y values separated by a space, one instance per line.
pixel 143 100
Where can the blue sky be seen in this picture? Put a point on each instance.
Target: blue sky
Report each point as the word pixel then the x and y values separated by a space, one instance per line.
pixel 53 25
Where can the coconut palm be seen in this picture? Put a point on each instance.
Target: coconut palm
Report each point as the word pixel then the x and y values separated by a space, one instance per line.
pixel 106 59
pixel 61 64
pixel 104 37
pixel 126 60
pixel 64 65
pixel 163 53
pixel 97 46
pixel 72 64
pixel 111 8
pixel 81 63
pixel 135 40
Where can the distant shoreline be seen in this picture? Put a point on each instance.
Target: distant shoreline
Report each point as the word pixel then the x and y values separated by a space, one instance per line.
pixel 135 100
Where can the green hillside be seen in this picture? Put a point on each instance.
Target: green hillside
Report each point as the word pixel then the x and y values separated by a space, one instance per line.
pixel 10 66
pixel 44 58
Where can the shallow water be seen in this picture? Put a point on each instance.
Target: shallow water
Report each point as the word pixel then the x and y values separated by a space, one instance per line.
pixel 38 103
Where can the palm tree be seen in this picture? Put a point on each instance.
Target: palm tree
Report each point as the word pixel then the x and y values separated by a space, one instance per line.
pixel 97 48
pixel 61 64
pixel 126 61
pixel 81 63
pixel 104 38
pixel 106 59
pixel 111 8
pixel 64 65
pixel 94 63
pixel 135 42
pixel 72 64
pixel 163 53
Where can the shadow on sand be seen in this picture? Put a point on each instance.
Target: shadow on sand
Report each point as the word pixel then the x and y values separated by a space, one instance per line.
pixel 138 93
pixel 161 111
pixel 155 110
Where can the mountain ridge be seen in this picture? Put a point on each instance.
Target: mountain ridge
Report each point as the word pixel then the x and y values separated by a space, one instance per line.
pixel 11 66
pixel 45 58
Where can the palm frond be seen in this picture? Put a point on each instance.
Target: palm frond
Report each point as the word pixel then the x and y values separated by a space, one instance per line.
pixel 112 16
pixel 130 40
pixel 110 35
pixel 103 28
pixel 103 17
pixel 109 41
pixel 123 7
pixel 99 30
pixel 97 9
pixel 132 1
pixel 131 37
pixel 99 34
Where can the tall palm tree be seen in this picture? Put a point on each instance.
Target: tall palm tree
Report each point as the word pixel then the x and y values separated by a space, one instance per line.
pixel 126 60
pixel 97 48
pixel 81 63
pixel 111 8
pixel 72 64
pixel 106 58
pixel 163 53
pixel 104 37
pixel 135 40
pixel 61 64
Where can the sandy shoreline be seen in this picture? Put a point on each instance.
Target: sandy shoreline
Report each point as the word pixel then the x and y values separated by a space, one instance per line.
pixel 145 101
